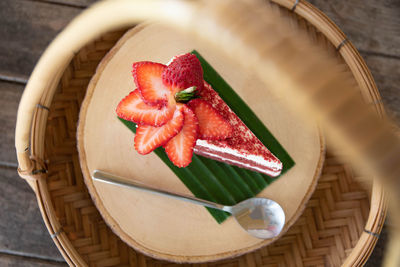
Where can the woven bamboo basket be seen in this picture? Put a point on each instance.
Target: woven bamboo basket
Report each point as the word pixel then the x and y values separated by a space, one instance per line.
pixel 340 225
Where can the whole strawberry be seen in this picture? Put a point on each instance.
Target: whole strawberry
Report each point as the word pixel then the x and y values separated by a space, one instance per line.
pixel 183 72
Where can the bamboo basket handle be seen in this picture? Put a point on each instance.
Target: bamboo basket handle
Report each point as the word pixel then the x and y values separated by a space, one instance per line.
pixel 309 80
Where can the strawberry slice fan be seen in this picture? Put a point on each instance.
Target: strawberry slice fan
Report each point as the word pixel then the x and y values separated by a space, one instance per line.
pixel 166 115
pixel 179 114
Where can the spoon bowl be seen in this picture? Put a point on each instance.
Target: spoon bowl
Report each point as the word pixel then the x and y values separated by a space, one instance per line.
pixel 260 217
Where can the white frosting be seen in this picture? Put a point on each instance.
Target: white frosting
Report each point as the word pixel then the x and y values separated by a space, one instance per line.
pixel 276 166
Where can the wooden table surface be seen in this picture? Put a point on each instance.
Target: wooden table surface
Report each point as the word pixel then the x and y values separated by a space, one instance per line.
pixel 27 26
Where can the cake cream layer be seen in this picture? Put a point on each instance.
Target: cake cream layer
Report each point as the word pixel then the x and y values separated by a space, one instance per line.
pixel 234 157
pixel 243 148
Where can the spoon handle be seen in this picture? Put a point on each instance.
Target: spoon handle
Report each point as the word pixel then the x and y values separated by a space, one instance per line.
pixel 117 180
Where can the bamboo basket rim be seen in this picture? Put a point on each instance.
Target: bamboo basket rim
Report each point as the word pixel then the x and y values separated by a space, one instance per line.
pixel 33 112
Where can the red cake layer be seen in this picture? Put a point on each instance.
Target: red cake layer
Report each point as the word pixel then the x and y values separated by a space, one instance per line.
pixel 243 149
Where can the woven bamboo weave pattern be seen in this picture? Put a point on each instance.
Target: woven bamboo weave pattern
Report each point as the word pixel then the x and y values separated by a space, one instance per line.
pixel 323 236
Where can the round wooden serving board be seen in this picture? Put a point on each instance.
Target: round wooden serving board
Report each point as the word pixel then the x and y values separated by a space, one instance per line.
pixel 162 227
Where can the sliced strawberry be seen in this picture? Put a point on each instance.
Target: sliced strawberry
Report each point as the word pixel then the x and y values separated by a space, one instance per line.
pixel 133 108
pixel 212 126
pixel 148 79
pixel 180 148
pixel 183 72
pixel 148 137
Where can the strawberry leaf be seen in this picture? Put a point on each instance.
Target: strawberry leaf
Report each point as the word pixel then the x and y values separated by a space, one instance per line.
pixel 186 95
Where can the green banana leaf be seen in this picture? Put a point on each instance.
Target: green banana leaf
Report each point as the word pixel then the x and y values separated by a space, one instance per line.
pixel 216 181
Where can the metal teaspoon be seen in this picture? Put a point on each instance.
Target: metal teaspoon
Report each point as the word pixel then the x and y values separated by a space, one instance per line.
pixel 260 217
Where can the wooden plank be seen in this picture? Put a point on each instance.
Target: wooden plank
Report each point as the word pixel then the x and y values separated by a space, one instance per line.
pixel 74 3
pixel 10 95
pixel 386 72
pixel 369 24
pixel 22 230
pixel 17 261
pixel 26 29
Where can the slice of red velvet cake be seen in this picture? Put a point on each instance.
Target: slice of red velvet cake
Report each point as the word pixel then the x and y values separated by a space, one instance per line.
pixel 243 148
pixel 175 108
